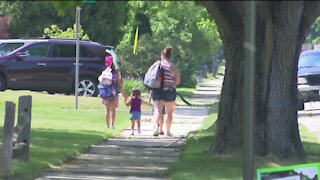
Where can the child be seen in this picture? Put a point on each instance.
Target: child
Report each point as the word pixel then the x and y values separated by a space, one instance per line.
pixel 135 110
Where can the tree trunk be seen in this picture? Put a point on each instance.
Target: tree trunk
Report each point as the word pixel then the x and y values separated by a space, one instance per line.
pixel 281 29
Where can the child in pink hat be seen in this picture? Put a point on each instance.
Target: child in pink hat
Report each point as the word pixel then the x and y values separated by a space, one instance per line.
pixel 108 61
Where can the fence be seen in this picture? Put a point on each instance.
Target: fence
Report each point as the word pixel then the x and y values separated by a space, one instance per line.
pixel 16 140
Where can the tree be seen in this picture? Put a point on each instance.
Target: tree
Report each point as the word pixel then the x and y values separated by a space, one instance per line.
pixel 313 37
pixel 187 28
pixel 55 32
pixel 42 13
pixel 103 21
pixel 282 27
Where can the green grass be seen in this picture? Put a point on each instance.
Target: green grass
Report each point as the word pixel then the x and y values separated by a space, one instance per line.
pixel 59 131
pixel 196 162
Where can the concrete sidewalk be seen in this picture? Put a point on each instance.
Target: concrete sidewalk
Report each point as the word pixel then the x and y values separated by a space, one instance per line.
pixel 139 156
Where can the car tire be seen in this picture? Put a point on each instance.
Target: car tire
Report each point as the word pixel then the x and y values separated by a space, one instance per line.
pixel 3 85
pixel 87 87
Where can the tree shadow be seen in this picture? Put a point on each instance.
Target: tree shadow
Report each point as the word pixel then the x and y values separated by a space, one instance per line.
pixel 53 147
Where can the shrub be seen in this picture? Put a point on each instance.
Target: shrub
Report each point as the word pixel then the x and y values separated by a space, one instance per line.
pixel 128 84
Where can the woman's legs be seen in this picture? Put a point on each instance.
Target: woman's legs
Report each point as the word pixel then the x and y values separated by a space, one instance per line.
pixel 169 106
pixel 111 111
pixel 158 105
pixel 108 116
pixel 161 123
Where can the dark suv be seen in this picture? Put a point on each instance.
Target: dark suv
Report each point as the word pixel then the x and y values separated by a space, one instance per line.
pixel 49 65
pixel 309 76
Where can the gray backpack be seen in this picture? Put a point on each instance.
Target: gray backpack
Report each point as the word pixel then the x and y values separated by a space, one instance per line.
pixel 154 76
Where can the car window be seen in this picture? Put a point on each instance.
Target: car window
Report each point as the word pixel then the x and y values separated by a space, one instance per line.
pixel 64 50
pixel 6 48
pixel 85 52
pixel 38 50
pixel 69 50
pixel 309 60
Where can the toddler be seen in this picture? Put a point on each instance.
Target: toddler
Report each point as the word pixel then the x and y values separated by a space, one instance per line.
pixel 135 110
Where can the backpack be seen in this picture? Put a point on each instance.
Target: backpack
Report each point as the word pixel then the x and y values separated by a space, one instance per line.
pixel 153 77
pixel 107 85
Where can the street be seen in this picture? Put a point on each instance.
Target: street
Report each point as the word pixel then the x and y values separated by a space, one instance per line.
pixel 310 117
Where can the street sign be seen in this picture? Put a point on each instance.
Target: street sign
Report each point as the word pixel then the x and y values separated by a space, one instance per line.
pixel 293 172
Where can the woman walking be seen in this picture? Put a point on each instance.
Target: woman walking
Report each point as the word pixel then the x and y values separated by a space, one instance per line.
pixel 166 96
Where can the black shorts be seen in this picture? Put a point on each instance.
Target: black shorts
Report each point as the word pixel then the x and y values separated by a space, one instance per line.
pixel 169 95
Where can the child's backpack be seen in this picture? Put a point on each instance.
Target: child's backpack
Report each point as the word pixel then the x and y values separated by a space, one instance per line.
pixel 107 85
pixel 153 77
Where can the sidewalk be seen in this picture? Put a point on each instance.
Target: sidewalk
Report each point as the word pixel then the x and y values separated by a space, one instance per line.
pixel 139 156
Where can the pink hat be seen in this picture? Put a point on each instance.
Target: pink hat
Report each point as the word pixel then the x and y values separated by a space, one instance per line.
pixel 108 60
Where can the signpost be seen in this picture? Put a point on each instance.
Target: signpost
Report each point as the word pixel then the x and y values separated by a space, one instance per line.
pixel 249 86
pixel 77 54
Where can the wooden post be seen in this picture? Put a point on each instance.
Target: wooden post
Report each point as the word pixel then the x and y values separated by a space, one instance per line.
pixel 5 163
pixel 23 129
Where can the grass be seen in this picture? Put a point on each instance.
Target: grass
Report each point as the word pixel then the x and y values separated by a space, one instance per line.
pixel 59 131
pixel 196 162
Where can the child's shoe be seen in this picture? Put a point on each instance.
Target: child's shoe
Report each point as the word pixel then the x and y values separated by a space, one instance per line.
pixel 156 132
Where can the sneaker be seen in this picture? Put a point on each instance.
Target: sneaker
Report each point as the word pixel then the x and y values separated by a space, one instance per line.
pixel 161 133
pixel 139 131
pixel 112 127
pixel 132 133
pixel 156 132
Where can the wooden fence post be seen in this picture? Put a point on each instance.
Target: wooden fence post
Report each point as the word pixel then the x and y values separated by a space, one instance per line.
pixel 7 138
pixel 23 129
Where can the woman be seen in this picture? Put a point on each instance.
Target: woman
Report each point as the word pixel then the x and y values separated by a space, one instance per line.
pixel 112 104
pixel 166 96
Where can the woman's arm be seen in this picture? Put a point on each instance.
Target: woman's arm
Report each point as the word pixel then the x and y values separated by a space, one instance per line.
pixel 119 85
pixel 145 102
pixel 128 102
pixel 176 74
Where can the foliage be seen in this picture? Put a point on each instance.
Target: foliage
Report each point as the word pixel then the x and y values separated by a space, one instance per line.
pixel 30 17
pixel 55 31
pixel 314 35
pixel 129 84
pixel 102 21
pixel 183 25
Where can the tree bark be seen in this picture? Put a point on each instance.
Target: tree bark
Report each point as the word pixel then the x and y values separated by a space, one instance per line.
pixel 281 30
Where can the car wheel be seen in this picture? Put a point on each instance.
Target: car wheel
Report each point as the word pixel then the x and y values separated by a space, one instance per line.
pixel 87 87
pixel 3 85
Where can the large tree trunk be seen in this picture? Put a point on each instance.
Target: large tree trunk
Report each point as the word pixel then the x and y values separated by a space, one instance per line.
pixel 281 30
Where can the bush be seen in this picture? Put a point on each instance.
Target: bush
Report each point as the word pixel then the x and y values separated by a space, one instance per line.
pixel 128 84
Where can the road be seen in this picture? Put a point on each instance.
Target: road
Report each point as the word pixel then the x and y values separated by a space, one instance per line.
pixel 310 117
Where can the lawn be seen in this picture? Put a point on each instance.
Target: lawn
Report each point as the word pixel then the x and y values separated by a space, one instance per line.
pixel 197 163
pixel 59 131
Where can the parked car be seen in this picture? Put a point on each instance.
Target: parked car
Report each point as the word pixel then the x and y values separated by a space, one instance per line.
pixel 49 65
pixel 309 77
